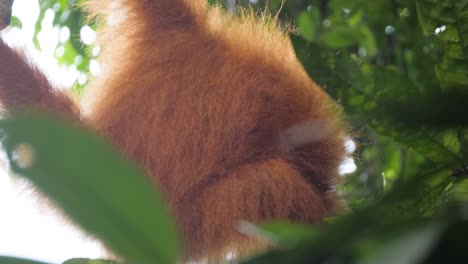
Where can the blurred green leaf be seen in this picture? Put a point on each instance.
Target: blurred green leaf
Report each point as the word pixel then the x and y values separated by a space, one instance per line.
pixel 15 22
pixel 89 261
pixel 286 234
pixel 460 190
pixel 308 23
pixel 102 192
pixel 451 247
pixel 448 19
pixel 411 247
pixel 342 36
pixel 12 260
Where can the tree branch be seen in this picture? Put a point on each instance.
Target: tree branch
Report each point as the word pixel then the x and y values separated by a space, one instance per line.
pixel 5 13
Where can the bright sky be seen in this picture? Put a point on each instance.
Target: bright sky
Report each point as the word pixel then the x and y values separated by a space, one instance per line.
pixel 27 228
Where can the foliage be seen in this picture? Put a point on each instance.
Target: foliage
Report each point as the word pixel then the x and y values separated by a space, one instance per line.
pixel 398 69
pixel 75 170
pixel 68 17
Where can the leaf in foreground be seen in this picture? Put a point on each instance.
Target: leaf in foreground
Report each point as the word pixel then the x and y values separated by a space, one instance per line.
pixel 102 192
pixel 89 261
pixel 12 260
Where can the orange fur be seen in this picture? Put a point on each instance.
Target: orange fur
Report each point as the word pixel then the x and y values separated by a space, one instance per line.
pixel 217 110
pixel 22 85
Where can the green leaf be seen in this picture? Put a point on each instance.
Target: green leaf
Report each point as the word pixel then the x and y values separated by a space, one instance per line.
pixel 15 22
pixel 388 102
pixel 342 36
pixel 308 23
pixel 460 190
pixel 448 19
pixel 420 196
pixel 453 73
pixel 368 41
pixel 89 261
pixel 285 234
pixel 411 247
pixel 69 54
pixel 102 192
pixel 12 260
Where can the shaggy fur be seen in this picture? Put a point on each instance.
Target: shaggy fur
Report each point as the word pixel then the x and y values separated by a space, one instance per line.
pixel 215 107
